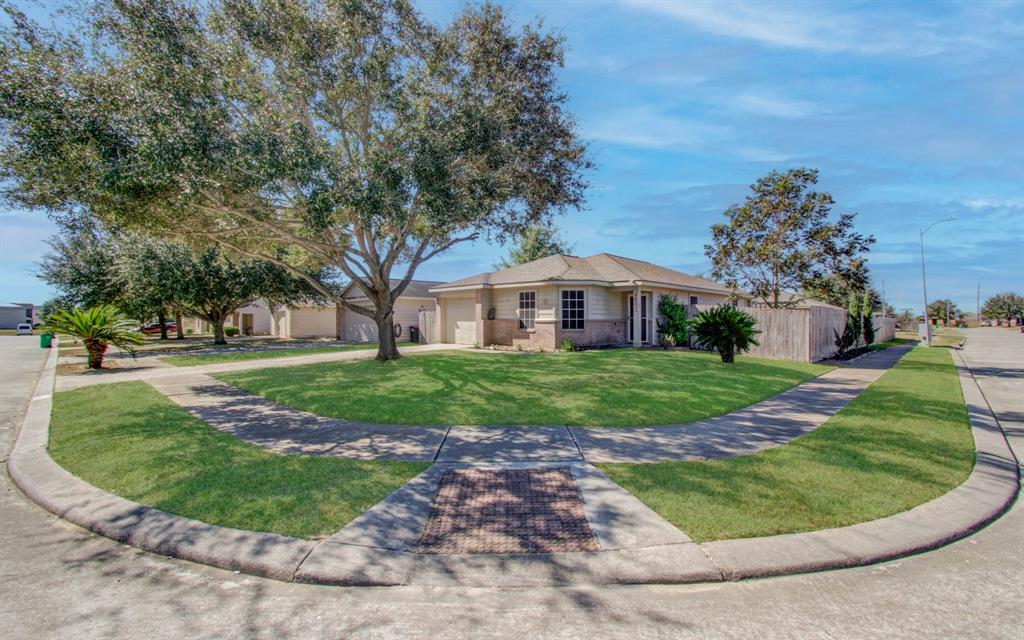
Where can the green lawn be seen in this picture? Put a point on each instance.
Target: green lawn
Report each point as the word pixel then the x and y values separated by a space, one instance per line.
pixel 895 342
pixel 946 337
pixel 233 353
pixel 620 387
pixel 902 442
pixel 128 439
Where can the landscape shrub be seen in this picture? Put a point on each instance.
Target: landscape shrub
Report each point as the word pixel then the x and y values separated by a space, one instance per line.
pixel 725 329
pixel 674 325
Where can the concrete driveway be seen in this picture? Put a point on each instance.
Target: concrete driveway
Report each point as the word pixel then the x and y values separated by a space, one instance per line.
pixel 59 581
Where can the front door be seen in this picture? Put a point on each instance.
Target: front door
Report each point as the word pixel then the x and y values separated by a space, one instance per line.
pixel 643 319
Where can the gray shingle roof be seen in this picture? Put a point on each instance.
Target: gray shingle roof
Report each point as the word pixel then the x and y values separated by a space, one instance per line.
pixel 604 268
pixel 416 289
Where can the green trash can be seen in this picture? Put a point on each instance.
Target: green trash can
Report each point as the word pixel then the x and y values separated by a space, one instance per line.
pixel 44 340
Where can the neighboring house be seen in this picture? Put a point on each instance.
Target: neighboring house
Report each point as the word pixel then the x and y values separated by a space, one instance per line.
pixel 14 313
pixel 311 321
pixel 251 320
pixel 601 300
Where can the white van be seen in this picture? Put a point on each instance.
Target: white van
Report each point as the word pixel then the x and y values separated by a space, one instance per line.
pixel 24 329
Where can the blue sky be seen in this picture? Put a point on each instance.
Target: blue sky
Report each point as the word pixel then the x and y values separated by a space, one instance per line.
pixel 912 112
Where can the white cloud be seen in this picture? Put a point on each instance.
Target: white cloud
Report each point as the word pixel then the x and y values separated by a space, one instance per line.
pixel 769 104
pixel 823 27
pixel 653 129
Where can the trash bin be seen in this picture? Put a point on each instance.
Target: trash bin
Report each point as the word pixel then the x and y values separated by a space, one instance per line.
pixel 414 334
pixel 44 340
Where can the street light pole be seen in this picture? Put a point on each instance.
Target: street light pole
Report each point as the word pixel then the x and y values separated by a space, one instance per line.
pixel 924 283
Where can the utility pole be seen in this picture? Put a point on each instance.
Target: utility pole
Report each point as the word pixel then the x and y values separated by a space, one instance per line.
pixel 924 284
pixel 978 301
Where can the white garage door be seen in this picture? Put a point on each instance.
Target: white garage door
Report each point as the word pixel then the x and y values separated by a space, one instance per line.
pixel 460 322
pixel 359 328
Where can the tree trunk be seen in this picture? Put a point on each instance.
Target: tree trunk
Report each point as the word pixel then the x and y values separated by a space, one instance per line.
pixel 728 355
pixel 95 350
pixel 177 324
pixel 162 318
pixel 218 330
pixel 386 347
pixel 338 322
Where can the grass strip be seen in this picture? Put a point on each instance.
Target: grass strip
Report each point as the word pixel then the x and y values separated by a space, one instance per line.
pixel 128 439
pixel 902 442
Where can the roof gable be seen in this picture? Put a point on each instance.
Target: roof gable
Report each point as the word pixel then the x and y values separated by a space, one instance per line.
pixel 603 268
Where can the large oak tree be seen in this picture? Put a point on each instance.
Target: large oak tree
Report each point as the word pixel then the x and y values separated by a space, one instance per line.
pixel 355 134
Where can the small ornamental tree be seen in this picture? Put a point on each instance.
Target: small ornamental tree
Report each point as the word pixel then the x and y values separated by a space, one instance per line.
pixel 674 325
pixel 726 330
pixel 782 239
pixel 868 319
pixel 357 132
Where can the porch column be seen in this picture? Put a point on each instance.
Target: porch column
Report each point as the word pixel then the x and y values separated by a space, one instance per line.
pixel 637 316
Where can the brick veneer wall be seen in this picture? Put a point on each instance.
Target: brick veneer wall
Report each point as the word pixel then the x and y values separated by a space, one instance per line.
pixel 549 336
pixel 595 333
pixel 503 331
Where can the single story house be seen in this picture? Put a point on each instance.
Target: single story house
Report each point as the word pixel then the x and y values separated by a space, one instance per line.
pixel 14 313
pixel 251 320
pixel 311 321
pixel 600 300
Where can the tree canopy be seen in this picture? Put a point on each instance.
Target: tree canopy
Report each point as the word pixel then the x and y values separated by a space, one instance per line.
pixel 206 283
pixel 348 134
pixel 533 244
pixel 782 239
pixel 938 309
pixel 1003 306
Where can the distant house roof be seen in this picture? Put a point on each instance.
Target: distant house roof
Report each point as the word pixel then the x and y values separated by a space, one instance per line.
pixel 415 289
pixel 602 269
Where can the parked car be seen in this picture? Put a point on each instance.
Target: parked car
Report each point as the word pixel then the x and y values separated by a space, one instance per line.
pixel 24 329
pixel 153 328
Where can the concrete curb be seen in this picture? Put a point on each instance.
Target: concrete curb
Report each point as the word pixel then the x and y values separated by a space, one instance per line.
pixel 985 495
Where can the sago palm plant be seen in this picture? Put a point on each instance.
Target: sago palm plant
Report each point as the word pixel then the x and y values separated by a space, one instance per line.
pixel 97 327
pixel 725 329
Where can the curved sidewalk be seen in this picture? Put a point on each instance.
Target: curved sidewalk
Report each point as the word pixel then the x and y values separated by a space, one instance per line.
pixel 768 423
pixel 375 548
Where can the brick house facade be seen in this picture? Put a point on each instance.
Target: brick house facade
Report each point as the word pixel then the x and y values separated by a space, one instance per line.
pixel 602 300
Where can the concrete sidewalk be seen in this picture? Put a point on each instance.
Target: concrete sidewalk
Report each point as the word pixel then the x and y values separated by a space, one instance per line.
pixel 769 423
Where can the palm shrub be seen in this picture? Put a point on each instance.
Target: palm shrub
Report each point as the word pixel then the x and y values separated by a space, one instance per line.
pixel 725 329
pixel 674 325
pixel 97 327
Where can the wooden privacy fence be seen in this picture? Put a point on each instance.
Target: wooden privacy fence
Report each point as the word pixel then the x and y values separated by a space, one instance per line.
pixel 804 335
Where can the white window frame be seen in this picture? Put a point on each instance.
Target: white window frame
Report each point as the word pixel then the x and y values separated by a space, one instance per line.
pixel 582 310
pixel 527 324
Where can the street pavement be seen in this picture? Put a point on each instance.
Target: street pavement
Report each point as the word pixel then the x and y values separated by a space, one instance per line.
pixel 58 581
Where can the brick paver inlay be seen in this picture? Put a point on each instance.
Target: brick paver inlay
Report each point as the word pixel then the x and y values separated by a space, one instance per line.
pixel 507 511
